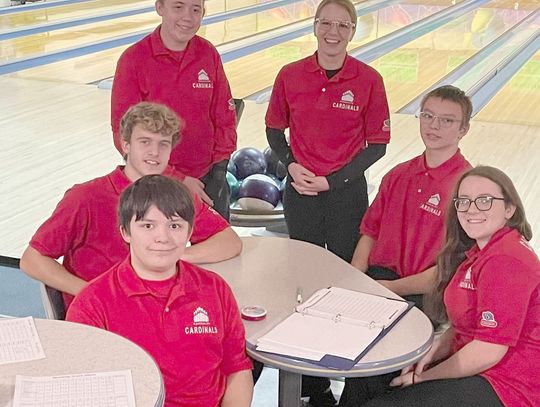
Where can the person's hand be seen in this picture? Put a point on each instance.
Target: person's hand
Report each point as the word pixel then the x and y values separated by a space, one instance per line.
pixel 387 283
pixel 405 379
pixel 428 358
pixel 196 186
pixel 306 182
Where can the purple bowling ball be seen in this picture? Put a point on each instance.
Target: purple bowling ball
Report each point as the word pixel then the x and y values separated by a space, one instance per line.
pixel 273 165
pixel 258 193
pixel 248 161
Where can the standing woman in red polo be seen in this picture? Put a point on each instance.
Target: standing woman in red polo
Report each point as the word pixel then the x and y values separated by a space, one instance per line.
pixel 336 110
pixel 490 281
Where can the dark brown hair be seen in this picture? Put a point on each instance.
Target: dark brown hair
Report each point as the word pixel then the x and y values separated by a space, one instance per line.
pixel 458 242
pixel 167 194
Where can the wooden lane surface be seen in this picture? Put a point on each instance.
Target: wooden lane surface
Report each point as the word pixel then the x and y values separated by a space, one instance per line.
pixel 88 33
pixel 33 17
pixel 518 101
pixel 262 67
pixel 49 148
pixel 412 68
pixel 94 67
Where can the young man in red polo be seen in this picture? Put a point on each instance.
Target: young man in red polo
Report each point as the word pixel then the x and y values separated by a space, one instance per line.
pixel 83 228
pixel 175 67
pixel 403 230
pixel 187 317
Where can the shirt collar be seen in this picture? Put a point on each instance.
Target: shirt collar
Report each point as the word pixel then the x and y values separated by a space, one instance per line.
pixel 119 180
pixel 349 69
pixel 133 285
pixel 159 48
pixel 448 167
pixel 497 236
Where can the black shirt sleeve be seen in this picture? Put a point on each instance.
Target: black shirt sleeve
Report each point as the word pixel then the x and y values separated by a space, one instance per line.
pixel 278 143
pixel 361 162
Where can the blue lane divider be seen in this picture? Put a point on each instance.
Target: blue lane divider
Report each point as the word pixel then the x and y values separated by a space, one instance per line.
pixel 56 56
pixel 466 67
pixel 47 27
pixel 37 6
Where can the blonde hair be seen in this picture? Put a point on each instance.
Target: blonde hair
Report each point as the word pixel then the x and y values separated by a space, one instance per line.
pixel 151 117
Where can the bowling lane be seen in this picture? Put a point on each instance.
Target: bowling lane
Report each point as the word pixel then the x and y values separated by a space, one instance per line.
pixel 83 34
pixel 70 11
pixel 517 102
pixel 411 69
pixel 100 65
pixel 257 71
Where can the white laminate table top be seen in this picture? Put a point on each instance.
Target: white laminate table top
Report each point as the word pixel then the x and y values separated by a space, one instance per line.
pixel 270 271
pixel 74 348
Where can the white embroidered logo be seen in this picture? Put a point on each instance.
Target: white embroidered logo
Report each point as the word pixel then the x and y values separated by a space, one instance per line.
pixel 432 205
pixel 346 102
pixel 434 200
pixel 203 80
pixel 467 281
pixel 200 316
pixel 347 97
pixel 201 323
pixel 203 76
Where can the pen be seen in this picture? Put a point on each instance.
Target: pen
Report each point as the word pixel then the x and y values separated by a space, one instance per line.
pixel 299 298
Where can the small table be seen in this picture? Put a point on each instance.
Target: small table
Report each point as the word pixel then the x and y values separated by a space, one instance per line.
pixel 270 272
pixel 74 348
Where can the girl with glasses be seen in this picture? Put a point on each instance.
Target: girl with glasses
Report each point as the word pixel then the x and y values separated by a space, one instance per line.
pixel 337 114
pixel 489 290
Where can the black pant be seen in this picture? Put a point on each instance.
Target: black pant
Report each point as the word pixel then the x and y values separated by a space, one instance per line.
pixel 474 391
pixel 330 219
pixel 218 189
pixel 359 390
pixel 382 273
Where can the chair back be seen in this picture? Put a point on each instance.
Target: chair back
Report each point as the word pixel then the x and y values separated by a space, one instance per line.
pixel 53 302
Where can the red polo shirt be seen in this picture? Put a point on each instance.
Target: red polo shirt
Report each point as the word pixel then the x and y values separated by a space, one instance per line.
pixel 407 217
pixel 330 120
pixel 495 297
pixel 190 324
pixel 193 84
pixel 84 227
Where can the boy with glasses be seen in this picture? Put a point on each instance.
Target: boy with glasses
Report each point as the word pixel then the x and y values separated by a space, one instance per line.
pixel 83 228
pixel 184 316
pixel 403 230
pixel 183 71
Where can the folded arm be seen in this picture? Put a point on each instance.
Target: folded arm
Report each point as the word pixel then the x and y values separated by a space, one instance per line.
pixel 221 246
pixel 50 272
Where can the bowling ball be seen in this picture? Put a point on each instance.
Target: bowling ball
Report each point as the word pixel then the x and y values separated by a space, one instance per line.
pixel 273 165
pixel 248 161
pixel 231 167
pixel 234 185
pixel 258 193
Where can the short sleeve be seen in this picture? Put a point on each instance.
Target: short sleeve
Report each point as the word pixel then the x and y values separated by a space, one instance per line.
pixel 85 309
pixel 207 222
pixel 371 222
pixel 234 341
pixel 65 229
pixel 377 116
pixel 503 296
pixel 278 114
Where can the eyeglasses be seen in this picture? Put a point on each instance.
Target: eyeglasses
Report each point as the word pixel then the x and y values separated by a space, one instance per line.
pixel 444 122
pixel 483 203
pixel 342 26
